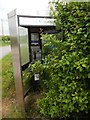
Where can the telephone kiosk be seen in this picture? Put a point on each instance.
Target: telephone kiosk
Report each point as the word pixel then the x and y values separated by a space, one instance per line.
pixel 25 29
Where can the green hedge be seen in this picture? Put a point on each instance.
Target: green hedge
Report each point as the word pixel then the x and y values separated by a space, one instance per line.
pixel 67 64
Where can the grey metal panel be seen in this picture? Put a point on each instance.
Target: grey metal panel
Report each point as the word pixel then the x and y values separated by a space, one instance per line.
pixel 33 12
pixel 12 13
pixel 24 45
pixel 15 48
pixel 29 12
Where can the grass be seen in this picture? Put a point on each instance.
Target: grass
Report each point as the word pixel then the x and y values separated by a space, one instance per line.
pixel 9 109
pixel 8 87
pixel 0 38
pixel 7 77
pixel 8 93
pixel 4 43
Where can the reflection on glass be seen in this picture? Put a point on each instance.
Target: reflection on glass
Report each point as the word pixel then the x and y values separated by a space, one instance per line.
pixel 24 47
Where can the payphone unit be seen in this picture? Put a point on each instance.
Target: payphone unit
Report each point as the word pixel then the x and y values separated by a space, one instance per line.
pixel 35 47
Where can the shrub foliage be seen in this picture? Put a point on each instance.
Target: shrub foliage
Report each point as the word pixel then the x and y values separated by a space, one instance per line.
pixel 6 38
pixel 66 67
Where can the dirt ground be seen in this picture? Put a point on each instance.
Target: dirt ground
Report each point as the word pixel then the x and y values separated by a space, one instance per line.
pixel 6 107
pixel 30 105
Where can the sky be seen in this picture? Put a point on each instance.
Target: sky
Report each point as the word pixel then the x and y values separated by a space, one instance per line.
pixel 8 5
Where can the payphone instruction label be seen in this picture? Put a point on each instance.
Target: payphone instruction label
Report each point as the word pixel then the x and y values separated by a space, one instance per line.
pixel 36 77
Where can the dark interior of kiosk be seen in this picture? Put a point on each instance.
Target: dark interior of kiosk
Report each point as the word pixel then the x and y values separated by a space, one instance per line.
pixel 35 42
pixel 35 48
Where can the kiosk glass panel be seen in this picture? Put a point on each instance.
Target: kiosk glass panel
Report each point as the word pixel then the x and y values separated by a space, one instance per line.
pixel 24 45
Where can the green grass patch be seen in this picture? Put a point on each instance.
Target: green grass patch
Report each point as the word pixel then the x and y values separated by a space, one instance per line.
pixel 8 86
pixel 4 43
pixel 0 38
pixel 8 92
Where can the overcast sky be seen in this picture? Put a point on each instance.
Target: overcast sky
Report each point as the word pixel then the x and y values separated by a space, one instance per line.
pixel 8 5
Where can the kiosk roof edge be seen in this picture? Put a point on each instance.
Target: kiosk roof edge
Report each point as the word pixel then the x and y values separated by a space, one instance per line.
pixel 29 12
